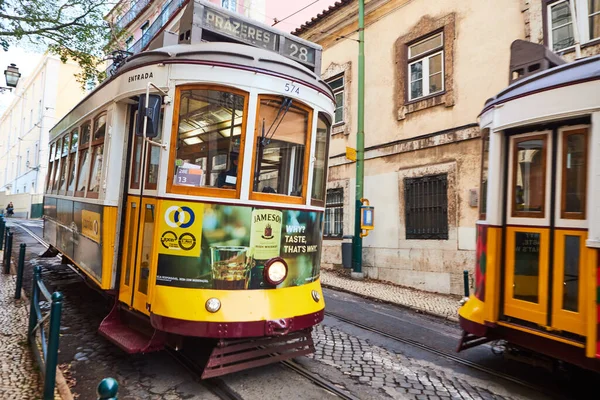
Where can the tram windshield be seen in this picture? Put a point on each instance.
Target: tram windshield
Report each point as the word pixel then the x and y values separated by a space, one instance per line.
pixel 208 138
pixel 282 135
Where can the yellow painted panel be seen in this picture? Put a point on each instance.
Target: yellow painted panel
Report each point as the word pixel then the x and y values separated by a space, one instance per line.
pixel 237 305
pixel 492 275
pixel 128 238
pixel 109 229
pixel 570 321
pixel 146 257
pixel 473 310
pixel 591 306
pixel 519 308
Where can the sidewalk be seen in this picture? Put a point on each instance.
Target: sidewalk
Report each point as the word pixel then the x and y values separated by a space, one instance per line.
pixel 444 306
pixel 19 378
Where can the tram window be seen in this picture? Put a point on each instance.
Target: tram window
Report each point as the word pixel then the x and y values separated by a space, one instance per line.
pixel 97 154
pixel 50 168
pixel 529 176
pixel 56 171
pixel 64 165
pixel 320 160
pixel 485 143
pixel 72 157
pixel 84 162
pixel 574 174
pixel 210 127
pixel 281 143
pixel 153 158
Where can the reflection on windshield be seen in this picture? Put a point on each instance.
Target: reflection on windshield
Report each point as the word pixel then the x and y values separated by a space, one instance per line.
pixel 208 141
pixel 280 147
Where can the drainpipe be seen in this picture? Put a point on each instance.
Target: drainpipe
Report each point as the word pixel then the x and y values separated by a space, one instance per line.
pixel 360 146
pixel 575 29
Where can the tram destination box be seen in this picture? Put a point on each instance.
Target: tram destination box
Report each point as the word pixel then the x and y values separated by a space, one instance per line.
pixel 204 21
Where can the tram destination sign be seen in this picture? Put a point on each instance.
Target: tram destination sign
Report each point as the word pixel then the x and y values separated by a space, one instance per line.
pixel 215 22
pixel 227 25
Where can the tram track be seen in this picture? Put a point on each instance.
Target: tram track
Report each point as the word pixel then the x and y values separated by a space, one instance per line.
pixel 217 386
pixel 445 355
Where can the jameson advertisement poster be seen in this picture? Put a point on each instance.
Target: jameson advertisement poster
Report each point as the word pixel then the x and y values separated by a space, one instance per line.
pixel 212 246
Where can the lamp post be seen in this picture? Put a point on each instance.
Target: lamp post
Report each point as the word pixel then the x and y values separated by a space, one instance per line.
pixel 12 78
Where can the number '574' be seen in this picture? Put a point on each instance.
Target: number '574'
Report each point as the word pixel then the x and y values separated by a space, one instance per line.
pixel 291 88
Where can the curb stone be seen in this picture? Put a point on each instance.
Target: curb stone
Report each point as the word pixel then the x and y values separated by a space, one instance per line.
pixel 61 385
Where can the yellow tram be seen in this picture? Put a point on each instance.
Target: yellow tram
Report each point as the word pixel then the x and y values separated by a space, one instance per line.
pixel 191 185
pixel 538 238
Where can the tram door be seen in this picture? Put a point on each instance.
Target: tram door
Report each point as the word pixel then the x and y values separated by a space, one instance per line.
pixel 140 217
pixel 546 229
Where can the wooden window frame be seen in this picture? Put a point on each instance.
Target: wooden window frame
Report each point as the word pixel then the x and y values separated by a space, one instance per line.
pixel 205 191
pixel 57 165
pixel 64 160
pixel 72 159
pixel 82 147
pixel 93 145
pixel 50 168
pixel 529 214
pixel 563 195
pixel 282 198
pixel 485 136
pixel 313 201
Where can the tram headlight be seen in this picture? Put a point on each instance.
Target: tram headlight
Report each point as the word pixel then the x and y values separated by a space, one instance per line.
pixel 316 296
pixel 213 305
pixel 275 271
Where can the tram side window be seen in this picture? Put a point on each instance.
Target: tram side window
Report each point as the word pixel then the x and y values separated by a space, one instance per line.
pixel 50 168
pixel 84 162
pixel 72 154
pixel 485 143
pixel 97 155
pixel 210 130
pixel 64 166
pixel 574 174
pixel 56 171
pixel 529 176
pixel 320 160
pixel 152 158
pixel 282 134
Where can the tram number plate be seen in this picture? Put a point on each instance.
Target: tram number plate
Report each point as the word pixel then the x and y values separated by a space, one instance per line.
pixel 292 88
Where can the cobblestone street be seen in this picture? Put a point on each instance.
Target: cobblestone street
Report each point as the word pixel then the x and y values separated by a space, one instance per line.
pixel 18 376
pixel 399 376
pixel 445 306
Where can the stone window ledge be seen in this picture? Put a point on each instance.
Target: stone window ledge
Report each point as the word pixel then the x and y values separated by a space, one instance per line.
pixel 446 98
pixel 339 128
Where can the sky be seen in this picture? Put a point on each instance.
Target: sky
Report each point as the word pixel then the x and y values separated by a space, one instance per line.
pixel 25 60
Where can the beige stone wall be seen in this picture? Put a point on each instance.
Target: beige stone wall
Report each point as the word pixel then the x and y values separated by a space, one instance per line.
pixel 403 140
pixel 480 62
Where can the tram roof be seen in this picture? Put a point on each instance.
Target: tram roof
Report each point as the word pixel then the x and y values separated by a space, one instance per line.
pixel 226 54
pixel 584 70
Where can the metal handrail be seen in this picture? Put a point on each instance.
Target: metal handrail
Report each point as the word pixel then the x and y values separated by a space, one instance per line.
pixel 48 358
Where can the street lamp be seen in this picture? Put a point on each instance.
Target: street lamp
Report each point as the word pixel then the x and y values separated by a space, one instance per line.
pixel 12 77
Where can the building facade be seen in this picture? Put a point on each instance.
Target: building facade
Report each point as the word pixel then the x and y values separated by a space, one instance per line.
pixel 143 20
pixel 430 66
pixel 41 99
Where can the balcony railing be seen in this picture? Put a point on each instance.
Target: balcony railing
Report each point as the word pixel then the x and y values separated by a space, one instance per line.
pixel 167 13
pixel 132 13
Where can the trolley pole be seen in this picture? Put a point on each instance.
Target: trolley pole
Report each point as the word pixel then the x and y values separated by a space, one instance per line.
pixel 360 146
